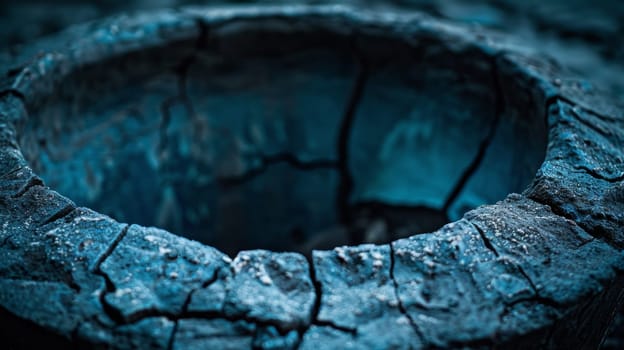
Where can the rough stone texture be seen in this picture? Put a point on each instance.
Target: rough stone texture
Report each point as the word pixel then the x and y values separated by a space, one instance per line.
pixel 53 264
pixel 358 299
pixel 518 253
pixel 153 273
pixel 539 269
pixel 271 288
pixel 591 193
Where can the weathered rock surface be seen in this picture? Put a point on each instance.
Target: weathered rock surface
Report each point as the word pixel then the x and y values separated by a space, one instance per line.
pixel 543 268
pixel 358 304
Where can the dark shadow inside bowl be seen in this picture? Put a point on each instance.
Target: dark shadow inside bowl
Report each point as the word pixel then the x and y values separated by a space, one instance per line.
pixel 293 139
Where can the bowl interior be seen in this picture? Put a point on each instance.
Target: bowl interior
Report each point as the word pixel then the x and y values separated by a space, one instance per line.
pixel 286 140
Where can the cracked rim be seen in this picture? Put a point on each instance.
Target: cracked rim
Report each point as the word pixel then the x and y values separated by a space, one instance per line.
pixel 542 267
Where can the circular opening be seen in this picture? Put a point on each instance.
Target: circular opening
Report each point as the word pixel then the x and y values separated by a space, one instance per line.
pixel 285 140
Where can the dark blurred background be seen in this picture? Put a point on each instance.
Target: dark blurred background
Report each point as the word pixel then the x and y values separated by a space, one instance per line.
pixel 583 35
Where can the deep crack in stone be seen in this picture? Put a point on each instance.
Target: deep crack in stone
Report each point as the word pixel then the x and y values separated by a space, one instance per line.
pixel 113 313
